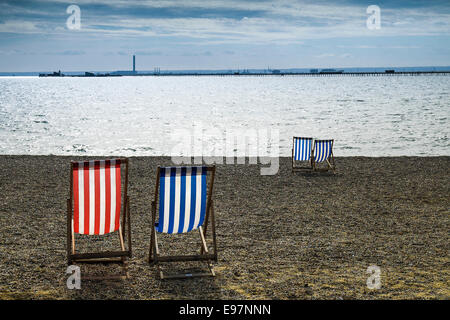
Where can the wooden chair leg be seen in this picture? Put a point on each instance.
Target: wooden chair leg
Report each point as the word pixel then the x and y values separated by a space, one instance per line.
pixel 156 253
pixel 128 226
pixel 152 235
pixel 329 165
pixel 155 247
pixel 202 237
pixel 292 162
pixel 122 245
pixel 213 229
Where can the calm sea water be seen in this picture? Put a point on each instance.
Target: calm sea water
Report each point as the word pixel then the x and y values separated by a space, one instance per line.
pixel 368 116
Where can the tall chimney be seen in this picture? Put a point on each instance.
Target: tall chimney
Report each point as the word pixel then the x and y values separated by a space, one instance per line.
pixel 134 63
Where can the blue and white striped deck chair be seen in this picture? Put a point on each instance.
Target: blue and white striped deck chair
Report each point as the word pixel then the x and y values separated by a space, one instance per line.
pixel 183 197
pixel 323 152
pixel 302 151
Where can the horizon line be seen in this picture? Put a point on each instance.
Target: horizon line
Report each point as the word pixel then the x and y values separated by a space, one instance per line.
pixel 224 69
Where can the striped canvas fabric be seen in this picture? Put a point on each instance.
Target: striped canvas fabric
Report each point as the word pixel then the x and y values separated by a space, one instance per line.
pixel 97 196
pixel 182 199
pixel 322 150
pixel 302 149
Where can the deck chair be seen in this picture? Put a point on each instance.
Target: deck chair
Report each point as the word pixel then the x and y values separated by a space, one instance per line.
pixel 323 152
pixel 185 204
pixel 96 198
pixel 301 152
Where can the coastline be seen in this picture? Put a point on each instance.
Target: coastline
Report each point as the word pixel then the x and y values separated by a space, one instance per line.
pixel 287 236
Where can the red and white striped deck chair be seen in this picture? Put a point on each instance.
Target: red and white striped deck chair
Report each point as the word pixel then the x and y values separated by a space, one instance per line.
pixel 98 205
pixel 184 199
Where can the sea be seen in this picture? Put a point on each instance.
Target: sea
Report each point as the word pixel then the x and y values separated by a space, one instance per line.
pixel 154 116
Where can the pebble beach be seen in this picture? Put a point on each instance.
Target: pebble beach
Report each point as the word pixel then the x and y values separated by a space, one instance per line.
pixel 286 236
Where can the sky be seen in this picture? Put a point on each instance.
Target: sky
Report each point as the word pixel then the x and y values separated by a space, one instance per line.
pixel 215 34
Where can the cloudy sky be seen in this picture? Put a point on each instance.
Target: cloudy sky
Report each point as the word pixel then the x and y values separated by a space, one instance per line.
pixel 219 34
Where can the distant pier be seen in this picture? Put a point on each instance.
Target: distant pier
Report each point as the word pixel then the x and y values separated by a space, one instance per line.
pixel 306 74
pixel 327 72
pixel 388 73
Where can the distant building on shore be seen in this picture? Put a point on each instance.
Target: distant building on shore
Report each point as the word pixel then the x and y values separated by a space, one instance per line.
pixel 54 74
pixel 127 72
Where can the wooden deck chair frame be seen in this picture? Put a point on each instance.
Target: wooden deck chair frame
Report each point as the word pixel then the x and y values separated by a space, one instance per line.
pixel 119 256
pixel 329 161
pixel 299 168
pixel 155 258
